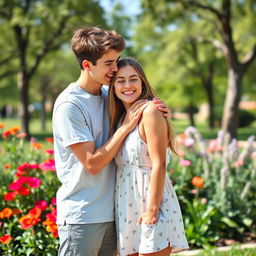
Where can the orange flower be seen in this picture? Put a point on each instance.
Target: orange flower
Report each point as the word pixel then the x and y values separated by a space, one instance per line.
pixel 6 213
pixel 6 239
pixel 7 166
pixel 27 221
pixel 11 131
pixel 198 182
pixel 51 226
pixel 2 125
pixel 37 145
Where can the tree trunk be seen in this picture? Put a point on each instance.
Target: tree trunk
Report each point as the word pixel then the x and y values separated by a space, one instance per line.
pixel 209 93
pixel 43 114
pixel 23 84
pixel 233 95
pixel 191 115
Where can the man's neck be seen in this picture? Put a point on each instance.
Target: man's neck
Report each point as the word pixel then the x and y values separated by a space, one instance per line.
pixel 88 84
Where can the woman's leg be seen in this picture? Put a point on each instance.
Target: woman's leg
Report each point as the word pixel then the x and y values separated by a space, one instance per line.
pixel 165 252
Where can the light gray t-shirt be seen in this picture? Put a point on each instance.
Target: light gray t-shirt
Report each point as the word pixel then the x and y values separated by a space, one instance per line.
pixel 79 116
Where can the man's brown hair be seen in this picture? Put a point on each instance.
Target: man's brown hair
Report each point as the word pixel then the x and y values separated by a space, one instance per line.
pixel 90 43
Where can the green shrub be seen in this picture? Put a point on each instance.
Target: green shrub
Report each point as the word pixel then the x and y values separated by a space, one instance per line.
pixel 245 118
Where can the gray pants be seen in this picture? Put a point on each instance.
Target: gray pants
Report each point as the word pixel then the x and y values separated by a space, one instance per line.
pixel 97 239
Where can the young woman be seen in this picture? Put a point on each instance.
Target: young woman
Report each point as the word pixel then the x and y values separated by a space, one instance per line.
pixel 148 216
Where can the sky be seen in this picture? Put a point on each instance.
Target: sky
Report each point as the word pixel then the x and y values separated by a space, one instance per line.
pixel 132 7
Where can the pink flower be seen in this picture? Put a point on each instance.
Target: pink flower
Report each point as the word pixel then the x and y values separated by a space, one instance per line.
pixel 49 151
pixel 204 200
pixel 41 204
pixel 194 191
pixel 238 163
pixel 188 142
pixel 34 182
pixel 181 152
pixel 48 165
pixel 214 145
pixel 21 135
pixel 254 155
pixel 16 185
pixel 185 163
pixel 54 201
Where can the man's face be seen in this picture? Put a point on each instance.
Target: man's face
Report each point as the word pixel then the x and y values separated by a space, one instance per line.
pixel 105 67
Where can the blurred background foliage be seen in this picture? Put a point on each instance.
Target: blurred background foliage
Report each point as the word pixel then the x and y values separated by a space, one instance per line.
pixel 178 43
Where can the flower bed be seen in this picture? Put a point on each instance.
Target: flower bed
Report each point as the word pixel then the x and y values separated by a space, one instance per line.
pixel 214 180
pixel 28 188
pixel 216 184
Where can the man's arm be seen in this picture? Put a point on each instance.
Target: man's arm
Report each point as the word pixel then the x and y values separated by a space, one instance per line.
pixel 94 159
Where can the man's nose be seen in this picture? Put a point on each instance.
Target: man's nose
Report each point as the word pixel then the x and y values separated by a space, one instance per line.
pixel 114 67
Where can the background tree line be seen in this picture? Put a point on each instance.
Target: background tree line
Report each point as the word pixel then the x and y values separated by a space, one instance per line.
pixel 193 51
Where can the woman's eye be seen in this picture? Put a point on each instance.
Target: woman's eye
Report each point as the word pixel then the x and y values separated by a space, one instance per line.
pixel 134 80
pixel 121 81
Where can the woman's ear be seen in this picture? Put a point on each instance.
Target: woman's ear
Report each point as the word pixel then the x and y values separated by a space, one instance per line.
pixel 86 64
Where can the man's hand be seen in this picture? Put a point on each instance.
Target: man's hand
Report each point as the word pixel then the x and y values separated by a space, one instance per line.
pixel 162 107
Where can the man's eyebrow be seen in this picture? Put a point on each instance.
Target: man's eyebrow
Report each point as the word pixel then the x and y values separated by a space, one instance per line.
pixel 110 61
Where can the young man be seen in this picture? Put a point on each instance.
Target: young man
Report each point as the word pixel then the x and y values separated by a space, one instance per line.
pixel 83 149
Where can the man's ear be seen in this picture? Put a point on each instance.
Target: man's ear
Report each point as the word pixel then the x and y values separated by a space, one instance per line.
pixel 86 64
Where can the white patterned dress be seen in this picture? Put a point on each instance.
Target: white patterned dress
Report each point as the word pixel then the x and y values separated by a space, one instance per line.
pixel 132 193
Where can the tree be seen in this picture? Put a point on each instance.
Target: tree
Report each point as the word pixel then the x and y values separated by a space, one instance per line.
pixel 182 61
pixel 224 15
pixel 40 27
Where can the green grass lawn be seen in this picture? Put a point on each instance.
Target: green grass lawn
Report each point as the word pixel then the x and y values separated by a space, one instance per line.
pixel 233 252
pixel 179 127
pixel 243 133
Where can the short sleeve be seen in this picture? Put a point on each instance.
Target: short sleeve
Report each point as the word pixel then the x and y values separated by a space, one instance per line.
pixel 70 124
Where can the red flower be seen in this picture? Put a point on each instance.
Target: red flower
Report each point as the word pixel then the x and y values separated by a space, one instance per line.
pixel 10 196
pixel 35 212
pixel 49 139
pixel 6 239
pixel 41 204
pixel 7 166
pixel 24 191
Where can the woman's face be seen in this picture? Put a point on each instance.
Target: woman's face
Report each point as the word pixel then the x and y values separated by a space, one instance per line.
pixel 127 85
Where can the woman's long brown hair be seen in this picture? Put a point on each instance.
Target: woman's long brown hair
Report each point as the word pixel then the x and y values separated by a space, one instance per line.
pixel 115 105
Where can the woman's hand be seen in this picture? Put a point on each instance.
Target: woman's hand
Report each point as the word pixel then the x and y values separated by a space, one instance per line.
pixel 134 113
pixel 148 218
pixel 162 107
